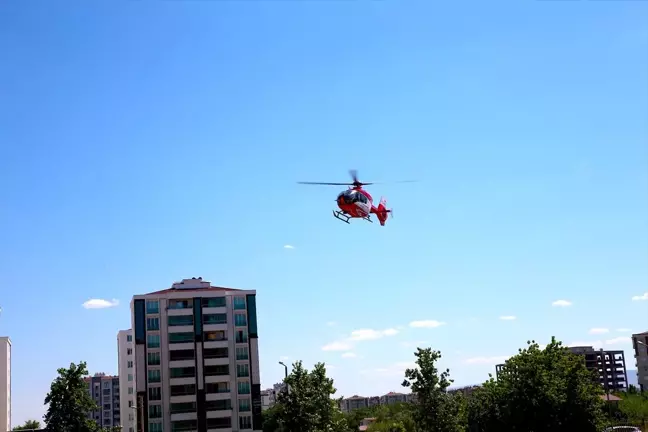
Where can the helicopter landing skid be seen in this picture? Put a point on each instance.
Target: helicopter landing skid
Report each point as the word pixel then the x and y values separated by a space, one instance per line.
pixel 345 217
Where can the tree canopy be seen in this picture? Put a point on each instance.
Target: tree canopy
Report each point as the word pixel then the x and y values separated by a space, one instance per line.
pixel 28 425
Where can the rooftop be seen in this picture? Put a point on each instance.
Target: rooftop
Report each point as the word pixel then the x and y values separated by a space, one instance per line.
pixel 193 284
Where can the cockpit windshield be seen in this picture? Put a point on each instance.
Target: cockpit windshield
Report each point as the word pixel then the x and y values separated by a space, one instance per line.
pixel 352 196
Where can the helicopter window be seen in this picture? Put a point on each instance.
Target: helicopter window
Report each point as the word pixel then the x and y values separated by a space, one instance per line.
pixel 361 198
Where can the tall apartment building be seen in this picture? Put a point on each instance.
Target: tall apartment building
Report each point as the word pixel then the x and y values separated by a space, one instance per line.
pixel 104 390
pixel 196 359
pixel 5 383
pixel 640 345
pixel 609 365
pixel 126 370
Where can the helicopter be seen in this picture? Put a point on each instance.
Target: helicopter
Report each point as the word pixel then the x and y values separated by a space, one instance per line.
pixel 356 202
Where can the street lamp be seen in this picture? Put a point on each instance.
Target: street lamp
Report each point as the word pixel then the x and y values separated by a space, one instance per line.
pixel 285 369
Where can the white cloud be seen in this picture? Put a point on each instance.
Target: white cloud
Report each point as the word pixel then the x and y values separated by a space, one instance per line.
pixel 289 246
pixel 337 346
pixel 644 296
pixel 282 358
pixel 624 330
pixel 100 303
pixel 426 324
pixel 561 303
pixel 618 340
pixel 599 331
pixel 370 334
pixel 349 355
pixel 331 323
pixel 508 318
pixel 486 360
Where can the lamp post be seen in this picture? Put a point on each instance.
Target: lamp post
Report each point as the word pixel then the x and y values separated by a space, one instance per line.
pixel 285 376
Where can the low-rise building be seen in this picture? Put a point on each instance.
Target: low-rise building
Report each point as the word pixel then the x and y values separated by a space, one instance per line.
pixel 104 390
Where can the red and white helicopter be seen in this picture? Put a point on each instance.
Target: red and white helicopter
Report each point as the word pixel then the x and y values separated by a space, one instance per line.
pixel 356 202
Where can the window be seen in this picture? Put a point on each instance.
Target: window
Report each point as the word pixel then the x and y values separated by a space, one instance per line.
pixel 241 336
pixel 244 405
pixel 130 390
pixel 183 372
pixel 242 353
pixel 154 376
pixel 153 341
pixel 152 307
pixel 155 393
pixel 153 358
pixel 140 321
pixel 129 364
pixel 215 352
pixel 242 370
pixel 251 314
pixel 106 384
pixel 244 387
pixel 215 318
pixel 183 390
pixel 245 422
pixel 155 411
pixel 130 377
pixel 181 337
pixel 129 338
pixel 184 425
pixel 221 387
pixel 106 406
pixel 152 323
pixel 180 320
pixel 219 423
pixel 129 351
pixel 180 304
pixel 154 427
pixel 183 407
pixel 217 370
pixel 106 391
pixel 240 320
pixel 211 302
pixel 218 405
pixel 188 354
pixel 239 303
pixel 215 336
pixel 130 404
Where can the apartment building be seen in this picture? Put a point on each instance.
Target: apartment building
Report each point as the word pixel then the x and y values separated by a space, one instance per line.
pixel 640 345
pixel 358 402
pixel 196 359
pixel 126 370
pixel 5 383
pixel 104 390
pixel 609 365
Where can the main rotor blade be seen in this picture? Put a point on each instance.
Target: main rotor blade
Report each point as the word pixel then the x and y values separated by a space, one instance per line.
pixel 354 175
pixel 328 184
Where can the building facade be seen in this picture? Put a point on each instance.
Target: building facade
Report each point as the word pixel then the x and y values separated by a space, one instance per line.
pixel 196 359
pixel 104 390
pixel 609 366
pixel 126 370
pixel 5 383
pixel 640 345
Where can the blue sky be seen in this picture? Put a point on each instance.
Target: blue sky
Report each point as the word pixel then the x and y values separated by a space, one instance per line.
pixel 143 142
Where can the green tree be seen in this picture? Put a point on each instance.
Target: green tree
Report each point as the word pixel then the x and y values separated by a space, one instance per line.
pixel 29 425
pixel 393 418
pixel 435 409
pixel 539 390
pixel 634 407
pixel 307 405
pixel 69 402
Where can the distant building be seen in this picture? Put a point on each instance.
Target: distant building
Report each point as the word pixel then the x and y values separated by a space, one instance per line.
pixel 353 403
pixel 640 345
pixel 125 361
pixel 358 402
pixel 104 390
pixel 364 424
pixel 5 383
pixel 608 365
pixel 392 398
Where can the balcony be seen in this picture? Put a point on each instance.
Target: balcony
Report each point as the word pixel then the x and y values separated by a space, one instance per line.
pixel 217 378
pixel 181 329
pixel 217 361
pixel 182 363
pixel 219 413
pixel 183 399
pixel 215 327
pixel 216 344
pixel 182 381
pixel 181 346
pixel 184 416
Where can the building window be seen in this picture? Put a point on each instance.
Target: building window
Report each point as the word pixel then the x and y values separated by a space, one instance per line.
pixel 216 370
pixel 129 364
pixel 184 425
pixel 183 372
pixel 252 315
pixel 181 337
pixel 154 427
pixel 210 302
pixel 244 387
pixel 244 405
pixel 183 407
pixel 153 358
pixel 153 341
pixel 155 393
pixel 215 352
pixel 154 376
pixel 130 404
pixel 215 318
pixel 242 353
pixel 221 387
pixel 155 411
pixel 219 423
pixel 129 338
pixel 130 377
pixel 245 422
pixel 239 303
pixel 242 370
pixel 153 323
pixel 240 320
pixel 180 320
pixel 152 307
pixel 130 390
pixel 175 355
pixel 183 390
pixel 241 336
pixel 180 304
pixel 218 405
pixel 215 336
pixel 129 351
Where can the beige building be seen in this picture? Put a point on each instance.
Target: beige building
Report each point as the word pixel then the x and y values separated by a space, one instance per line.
pixel 126 368
pixel 640 345
pixel 5 383
pixel 196 359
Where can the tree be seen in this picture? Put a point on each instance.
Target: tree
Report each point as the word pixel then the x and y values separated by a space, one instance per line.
pixel 392 418
pixel 307 405
pixel 69 402
pixel 539 390
pixel 29 425
pixel 634 407
pixel 435 410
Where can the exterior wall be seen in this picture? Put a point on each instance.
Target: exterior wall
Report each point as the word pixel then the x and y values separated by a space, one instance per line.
pixel 104 390
pixel 126 369
pixel 641 358
pixel 207 406
pixel 5 383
